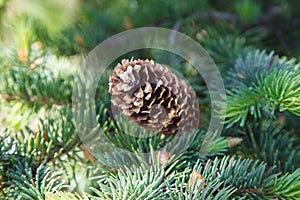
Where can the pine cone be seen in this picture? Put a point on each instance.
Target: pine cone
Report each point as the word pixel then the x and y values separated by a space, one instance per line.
pixel 153 97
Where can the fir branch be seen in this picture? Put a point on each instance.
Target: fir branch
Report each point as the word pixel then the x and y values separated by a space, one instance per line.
pixel 136 183
pixel 39 87
pixel 278 91
pixel 224 48
pixel 269 142
pixel 288 186
pixel 262 84
pixel 251 179
pixel 56 137
pixel 8 152
pixel 281 89
pixel 65 196
pixel 184 150
pixel 190 184
pixel 132 184
pixel 30 184
pixel 250 67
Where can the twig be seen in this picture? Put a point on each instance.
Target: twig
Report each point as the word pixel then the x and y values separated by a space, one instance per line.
pixel 216 15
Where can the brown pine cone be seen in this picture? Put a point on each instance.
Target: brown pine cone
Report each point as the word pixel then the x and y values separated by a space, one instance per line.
pixel 154 97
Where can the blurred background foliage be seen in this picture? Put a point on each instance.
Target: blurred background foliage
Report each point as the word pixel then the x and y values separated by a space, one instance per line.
pixel 74 26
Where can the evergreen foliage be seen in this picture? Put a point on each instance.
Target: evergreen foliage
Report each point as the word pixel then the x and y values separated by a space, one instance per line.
pixel 43 154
